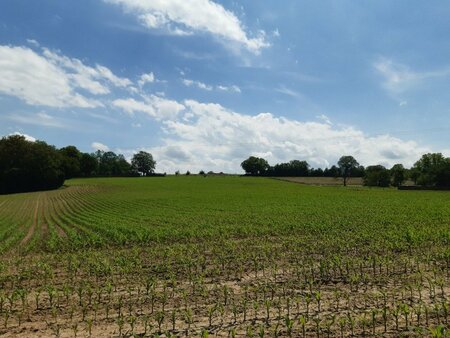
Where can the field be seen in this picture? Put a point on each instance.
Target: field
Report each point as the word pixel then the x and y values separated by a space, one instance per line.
pixel 356 181
pixel 223 256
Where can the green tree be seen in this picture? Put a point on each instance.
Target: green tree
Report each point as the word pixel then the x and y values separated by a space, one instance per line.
pixel 433 170
pixel 292 168
pixel 255 165
pixel 88 165
pixel 346 165
pixel 71 157
pixel 143 163
pixel 398 174
pixel 111 164
pixel 28 166
pixel 377 176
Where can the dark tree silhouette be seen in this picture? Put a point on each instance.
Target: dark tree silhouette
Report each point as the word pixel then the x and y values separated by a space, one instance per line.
pixel 433 169
pixel 28 166
pixel 398 174
pixel 346 165
pixel 377 176
pixel 70 157
pixel 143 163
pixel 255 165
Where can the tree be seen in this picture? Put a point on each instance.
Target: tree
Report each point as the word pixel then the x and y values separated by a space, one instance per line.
pixel 143 163
pixel 292 168
pixel 71 157
pixel 433 170
pixel 377 176
pixel 255 165
pixel 398 175
pixel 110 164
pixel 332 172
pixel 346 165
pixel 88 165
pixel 28 166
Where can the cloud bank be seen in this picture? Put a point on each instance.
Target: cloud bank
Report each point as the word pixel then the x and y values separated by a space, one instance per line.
pixel 207 136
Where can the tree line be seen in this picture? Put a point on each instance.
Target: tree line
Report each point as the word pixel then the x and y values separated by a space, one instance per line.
pixel 431 170
pixel 33 166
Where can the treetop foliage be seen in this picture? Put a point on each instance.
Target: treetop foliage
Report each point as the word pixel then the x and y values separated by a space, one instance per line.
pixel 29 166
pixel 33 166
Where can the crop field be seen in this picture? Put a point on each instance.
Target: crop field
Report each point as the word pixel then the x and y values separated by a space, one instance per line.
pixel 193 256
pixel 357 181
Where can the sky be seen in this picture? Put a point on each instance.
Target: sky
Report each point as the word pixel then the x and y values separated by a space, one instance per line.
pixel 203 84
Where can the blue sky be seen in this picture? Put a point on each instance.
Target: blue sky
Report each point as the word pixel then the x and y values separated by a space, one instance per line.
pixel 203 84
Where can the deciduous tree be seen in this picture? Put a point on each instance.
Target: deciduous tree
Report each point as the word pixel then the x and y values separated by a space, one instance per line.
pixel 346 165
pixel 143 163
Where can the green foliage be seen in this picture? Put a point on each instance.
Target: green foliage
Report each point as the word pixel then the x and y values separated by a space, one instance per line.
pixel 111 164
pixel 88 165
pixel 377 176
pixel 398 175
pixel 188 256
pixel 143 163
pixel 118 211
pixel 28 166
pixel 347 164
pixel 255 165
pixel 292 168
pixel 433 169
pixel 70 158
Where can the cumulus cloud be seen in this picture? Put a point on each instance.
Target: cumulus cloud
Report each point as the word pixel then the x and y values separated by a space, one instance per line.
pixel 37 81
pixel 207 136
pixel 93 79
pixel 53 80
pixel 183 17
pixel 146 78
pixel 99 146
pixel 155 106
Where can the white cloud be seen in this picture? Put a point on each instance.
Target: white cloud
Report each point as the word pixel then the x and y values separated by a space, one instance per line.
pixel 201 85
pixel 204 86
pixel 211 137
pixel 99 146
pixel 324 118
pixel 92 79
pixel 105 73
pixel 181 17
pixel 40 119
pixel 232 88
pixel 36 80
pixel 155 106
pixel 27 137
pixel 33 42
pixel 146 78
pixel 53 80
pixel 399 78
